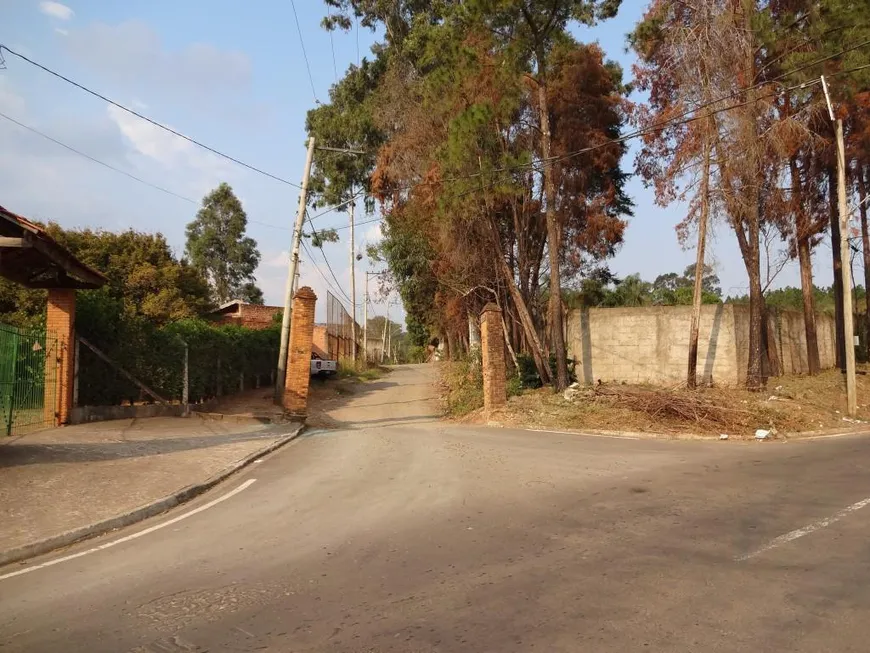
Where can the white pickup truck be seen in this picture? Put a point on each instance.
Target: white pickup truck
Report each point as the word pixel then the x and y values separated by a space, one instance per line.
pixel 321 366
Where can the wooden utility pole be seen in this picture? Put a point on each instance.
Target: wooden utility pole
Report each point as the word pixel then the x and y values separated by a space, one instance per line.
pixel 384 337
pixel 848 333
pixel 692 373
pixel 366 321
pixel 350 211
pixel 846 264
pixel 291 275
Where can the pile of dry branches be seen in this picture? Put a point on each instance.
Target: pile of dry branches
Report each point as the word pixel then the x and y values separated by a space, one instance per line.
pixel 680 405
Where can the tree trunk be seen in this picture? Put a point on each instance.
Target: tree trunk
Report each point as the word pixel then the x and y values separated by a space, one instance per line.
pixel 838 269
pixel 692 372
pixel 525 316
pixel 806 266
pixel 554 237
pixel 865 239
pixel 755 373
pixel 802 244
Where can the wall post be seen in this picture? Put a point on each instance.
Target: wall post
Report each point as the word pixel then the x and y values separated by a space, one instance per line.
pixel 295 398
pixel 492 349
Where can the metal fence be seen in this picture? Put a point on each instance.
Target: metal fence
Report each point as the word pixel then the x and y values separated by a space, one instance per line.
pixel 340 329
pixel 28 379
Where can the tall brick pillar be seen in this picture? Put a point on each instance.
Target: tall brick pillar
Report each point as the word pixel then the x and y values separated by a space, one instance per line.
pixel 60 323
pixel 299 356
pixel 492 349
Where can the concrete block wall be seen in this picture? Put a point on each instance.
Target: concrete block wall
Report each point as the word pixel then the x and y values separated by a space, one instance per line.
pixel 650 344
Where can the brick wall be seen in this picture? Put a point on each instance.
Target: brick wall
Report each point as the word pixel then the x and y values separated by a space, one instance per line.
pixel 650 344
pixel 252 316
pixel 259 317
pixel 492 352
pixel 299 357
pixel 321 338
pixel 59 365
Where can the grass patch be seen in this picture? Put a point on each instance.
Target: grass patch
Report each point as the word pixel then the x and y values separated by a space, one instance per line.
pixel 461 387
pixel 361 373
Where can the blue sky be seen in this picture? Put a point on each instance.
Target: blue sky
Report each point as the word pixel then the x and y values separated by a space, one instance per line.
pixel 232 75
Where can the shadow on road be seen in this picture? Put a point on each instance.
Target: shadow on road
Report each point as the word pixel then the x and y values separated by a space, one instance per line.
pixel 36 454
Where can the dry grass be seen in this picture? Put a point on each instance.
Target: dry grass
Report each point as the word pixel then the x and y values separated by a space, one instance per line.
pixel 789 405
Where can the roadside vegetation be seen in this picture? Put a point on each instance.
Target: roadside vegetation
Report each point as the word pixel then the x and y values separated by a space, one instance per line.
pixel 796 405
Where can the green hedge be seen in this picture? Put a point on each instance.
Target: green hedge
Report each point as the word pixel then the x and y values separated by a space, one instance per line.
pixel 219 355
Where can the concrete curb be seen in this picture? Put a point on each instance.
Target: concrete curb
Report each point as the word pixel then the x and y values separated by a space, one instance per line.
pixel 649 435
pixel 141 513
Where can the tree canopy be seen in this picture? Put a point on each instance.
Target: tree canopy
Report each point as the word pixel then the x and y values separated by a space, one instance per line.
pixel 219 249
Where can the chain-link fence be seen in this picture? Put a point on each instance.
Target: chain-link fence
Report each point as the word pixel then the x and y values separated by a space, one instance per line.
pixel 341 330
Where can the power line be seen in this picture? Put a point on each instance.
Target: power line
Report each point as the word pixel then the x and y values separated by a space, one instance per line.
pixel 340 205
pixel 326 260
pixel 304 53
pixel 673 121
pixel 335 290
pixel 150 120
pixel 118 170
pixel 356 29
pixel 97 161
pixel 332 47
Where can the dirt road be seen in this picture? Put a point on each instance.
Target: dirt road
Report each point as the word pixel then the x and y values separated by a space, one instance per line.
pixel 397 532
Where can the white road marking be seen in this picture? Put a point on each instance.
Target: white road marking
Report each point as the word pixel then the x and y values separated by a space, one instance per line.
pixel 806 530
pixel 591 435
pixel 134 536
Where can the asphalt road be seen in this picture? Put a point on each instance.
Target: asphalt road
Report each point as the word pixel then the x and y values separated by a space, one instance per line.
pixel 401 533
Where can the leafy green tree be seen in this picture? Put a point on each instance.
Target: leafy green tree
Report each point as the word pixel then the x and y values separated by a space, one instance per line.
pixel 142 272
pixel 219 249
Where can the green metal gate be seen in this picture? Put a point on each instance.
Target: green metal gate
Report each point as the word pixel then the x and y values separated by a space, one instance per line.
pixel 28 379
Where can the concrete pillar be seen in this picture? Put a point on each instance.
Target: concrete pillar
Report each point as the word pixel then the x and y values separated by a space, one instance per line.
pixel 299 356
pixel 492 349
pixel 60 323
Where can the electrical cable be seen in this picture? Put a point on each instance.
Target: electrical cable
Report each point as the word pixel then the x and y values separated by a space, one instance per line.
pixel 326 260
pixel 304 53
pixel 118 170
pixel 97 161
pixel 150 120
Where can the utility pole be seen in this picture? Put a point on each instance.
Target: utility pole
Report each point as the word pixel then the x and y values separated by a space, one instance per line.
pixel 296 278
pixel 366 321
pixel 384 337
pixel 291 275
pixel 352 278
pixel 845 262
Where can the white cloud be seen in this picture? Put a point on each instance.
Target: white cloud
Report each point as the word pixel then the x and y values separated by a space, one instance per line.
pixel 199 170
pixel 62 32
pixel 133 53
pixel 56 10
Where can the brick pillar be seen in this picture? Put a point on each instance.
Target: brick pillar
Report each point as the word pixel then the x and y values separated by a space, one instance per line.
pixel 492 349
pixel 60 323
pixel 299 356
